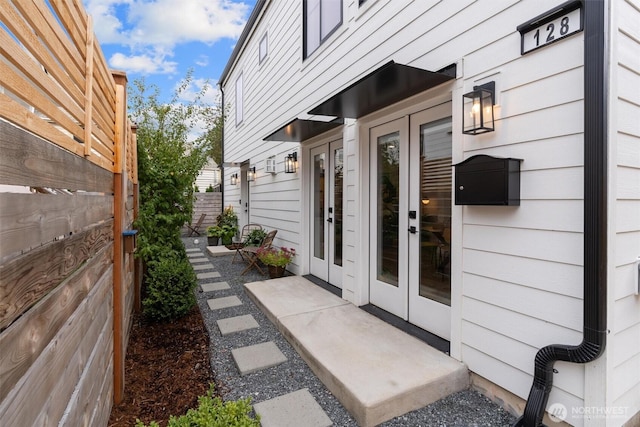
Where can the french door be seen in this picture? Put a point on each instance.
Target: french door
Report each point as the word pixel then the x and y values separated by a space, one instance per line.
pixel 410 218
pixel 327 164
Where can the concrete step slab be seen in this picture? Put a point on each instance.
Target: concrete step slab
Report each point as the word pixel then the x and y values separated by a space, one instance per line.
pixel 198 260
pixel 192 250
pixel 292 410
pixel 219 250
pixel 194 254
pixel 210 275
pixel 290 295
pixel 375 370
pixel 231 325
pixel 217 286
pixel 257 357
pixel 223 302
pixel 200 267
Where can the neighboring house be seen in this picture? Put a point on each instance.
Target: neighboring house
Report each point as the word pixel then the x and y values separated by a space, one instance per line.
pixel 371 207
pixel 208 176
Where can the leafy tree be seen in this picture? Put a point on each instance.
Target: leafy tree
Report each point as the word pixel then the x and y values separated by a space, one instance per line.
pixel 170 157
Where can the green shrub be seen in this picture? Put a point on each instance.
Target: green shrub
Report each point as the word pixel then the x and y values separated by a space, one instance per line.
pixel 169 285
pixel 209 189
pixel 212 412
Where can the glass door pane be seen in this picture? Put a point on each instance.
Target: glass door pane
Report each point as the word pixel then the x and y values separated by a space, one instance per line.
pixel 318 206
pixel 388 206
pixel 338 165
pixel 435 205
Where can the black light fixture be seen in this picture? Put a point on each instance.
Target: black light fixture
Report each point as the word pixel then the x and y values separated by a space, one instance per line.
pixel 291 163
pixel 234 179
pixel 251 174
pixel 477 109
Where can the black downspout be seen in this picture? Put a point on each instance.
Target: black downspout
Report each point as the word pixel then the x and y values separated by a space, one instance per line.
pixel 595 220
pixel 222 110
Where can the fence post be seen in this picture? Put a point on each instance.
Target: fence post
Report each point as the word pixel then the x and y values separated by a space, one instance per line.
pixel 88 95
pixel 119 206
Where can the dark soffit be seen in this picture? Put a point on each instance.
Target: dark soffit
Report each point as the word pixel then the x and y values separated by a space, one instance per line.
pixel 386 85
pixel 299 130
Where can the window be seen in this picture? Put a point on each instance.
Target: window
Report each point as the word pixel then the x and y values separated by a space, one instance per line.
pixel 239 101
pixel 264 48
pixel 321 18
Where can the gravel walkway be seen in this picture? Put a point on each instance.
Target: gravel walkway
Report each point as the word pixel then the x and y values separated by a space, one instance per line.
pixel 466 408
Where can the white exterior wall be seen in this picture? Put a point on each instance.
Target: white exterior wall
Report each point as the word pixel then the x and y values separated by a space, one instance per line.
pixel 209 175
pixel 517 271
pixel 624 213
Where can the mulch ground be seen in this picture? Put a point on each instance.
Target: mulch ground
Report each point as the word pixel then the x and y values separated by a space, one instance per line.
pixel 166 368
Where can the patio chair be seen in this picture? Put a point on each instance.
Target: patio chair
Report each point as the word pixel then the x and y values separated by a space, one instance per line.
pixel 196 228
pixel 250 253
pixel 239 244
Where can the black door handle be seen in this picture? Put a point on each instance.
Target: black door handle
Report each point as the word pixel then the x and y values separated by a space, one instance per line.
pixel 413 230
pixel 330 220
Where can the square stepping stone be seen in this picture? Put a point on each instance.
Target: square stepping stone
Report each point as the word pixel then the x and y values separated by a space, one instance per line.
pixel 218 286
pixel 292 410
pixel 257 357
pixel 193 250
pixel 236 324
pixel 198 260
pixel 207 266
pixel 224 302
pixel 210 275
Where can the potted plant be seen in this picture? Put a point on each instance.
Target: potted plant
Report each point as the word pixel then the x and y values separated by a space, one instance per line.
pixel 227 233
pixel 228 223
pixel 276 259
pixel 255 237
pixel 214 233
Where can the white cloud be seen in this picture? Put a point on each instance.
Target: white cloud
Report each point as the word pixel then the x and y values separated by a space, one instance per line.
pixel 106 24
pixel 143 64
pixel 169 22
pixel 166 22
pixel 202 61
pixel 149 30
pixel 211 95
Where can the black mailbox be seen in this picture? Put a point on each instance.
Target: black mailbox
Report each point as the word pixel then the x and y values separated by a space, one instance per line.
pixel 487 180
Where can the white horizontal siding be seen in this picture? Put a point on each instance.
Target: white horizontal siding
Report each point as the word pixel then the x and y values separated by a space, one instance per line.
pixel 528 259
pixel 625 243
pixel 522 266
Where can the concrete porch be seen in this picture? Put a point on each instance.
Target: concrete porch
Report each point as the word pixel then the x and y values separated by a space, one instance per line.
pixel 375 370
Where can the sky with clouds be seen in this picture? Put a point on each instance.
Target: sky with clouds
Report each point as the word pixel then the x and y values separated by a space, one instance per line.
pixel 162 39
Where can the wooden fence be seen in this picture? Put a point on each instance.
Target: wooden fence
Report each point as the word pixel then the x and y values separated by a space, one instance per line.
pixel 68 191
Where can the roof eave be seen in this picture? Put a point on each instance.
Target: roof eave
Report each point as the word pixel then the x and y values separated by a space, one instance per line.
pixel 248 27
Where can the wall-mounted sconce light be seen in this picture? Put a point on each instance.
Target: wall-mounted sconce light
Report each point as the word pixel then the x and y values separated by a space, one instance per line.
pixel 291 163
pixel 477 109
pixel 234 179
pixel 251 174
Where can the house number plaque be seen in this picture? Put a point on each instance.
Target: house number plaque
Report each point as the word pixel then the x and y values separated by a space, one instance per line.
pixel 554 25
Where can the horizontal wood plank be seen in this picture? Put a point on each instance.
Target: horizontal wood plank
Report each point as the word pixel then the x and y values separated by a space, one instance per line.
pixel 29 220
pixel 20 349
pixel 90 348
pixel 90 387
pixel 52 39
pixel 28 93
pixel 55 362
pixel 17 113
pixel 26 279
pixel 31 161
